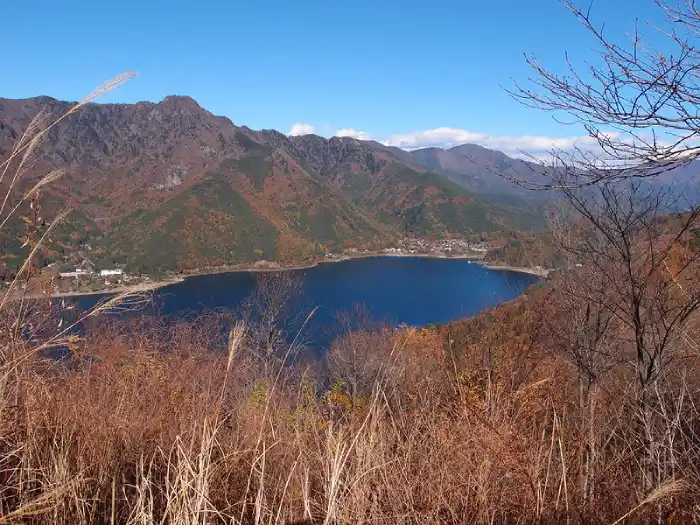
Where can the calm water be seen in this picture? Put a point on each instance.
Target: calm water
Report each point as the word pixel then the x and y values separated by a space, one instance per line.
pixel 410 290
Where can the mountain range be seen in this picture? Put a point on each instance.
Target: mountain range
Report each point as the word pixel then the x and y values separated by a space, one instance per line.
pixel 168 185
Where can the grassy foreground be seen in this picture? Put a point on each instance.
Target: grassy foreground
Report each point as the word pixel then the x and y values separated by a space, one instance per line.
pixel 473 423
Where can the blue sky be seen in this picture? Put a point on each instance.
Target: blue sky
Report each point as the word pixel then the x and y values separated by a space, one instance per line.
pixel 389 70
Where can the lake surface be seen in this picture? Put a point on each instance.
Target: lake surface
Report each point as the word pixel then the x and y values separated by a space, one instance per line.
pixel 412 290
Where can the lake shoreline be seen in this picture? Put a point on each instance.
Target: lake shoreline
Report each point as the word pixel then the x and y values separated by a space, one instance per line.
pixel 476 259
pixel 537 272
pixel 127 288
pixel 154 285
pixel 313 264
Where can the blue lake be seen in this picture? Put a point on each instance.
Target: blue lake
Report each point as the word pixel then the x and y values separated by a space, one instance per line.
pixel 412 290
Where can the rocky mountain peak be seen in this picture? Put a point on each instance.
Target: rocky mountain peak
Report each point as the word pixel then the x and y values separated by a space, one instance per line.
pixel 180 102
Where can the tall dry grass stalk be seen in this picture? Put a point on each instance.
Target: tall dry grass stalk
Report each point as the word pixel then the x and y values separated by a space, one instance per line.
pixel 27 147
pixel 17 313
pixel 42 124
pixel 28 328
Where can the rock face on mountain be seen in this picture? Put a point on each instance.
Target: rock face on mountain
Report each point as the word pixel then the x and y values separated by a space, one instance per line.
pixel 168 185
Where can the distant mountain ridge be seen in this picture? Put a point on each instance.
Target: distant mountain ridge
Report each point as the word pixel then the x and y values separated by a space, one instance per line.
pixel 491 172
pixel 476 168
pixel 168 185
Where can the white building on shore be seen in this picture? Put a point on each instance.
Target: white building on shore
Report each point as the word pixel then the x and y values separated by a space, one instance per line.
pixel 79 272
pixel 115 271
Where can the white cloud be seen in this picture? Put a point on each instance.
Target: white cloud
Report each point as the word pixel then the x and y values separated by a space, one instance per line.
pixel 522 146
pixel 301 129
pixel 525 146
pixel 439 137
pixel 349 132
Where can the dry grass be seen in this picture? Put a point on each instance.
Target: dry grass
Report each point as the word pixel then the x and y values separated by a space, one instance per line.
pixel 168 428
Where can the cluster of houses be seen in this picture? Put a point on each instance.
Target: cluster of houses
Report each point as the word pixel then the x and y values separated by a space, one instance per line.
pixel 410 245
pixel 461 246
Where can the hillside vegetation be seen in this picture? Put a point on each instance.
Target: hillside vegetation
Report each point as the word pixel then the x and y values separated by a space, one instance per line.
pixel 147 176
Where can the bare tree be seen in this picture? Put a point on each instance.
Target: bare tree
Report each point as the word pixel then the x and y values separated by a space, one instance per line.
pixel 638 104
pixel 359 352
pixel 272 313
pixel 584 330
pixel 631 267
pixel 631 276
pixel 585 340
